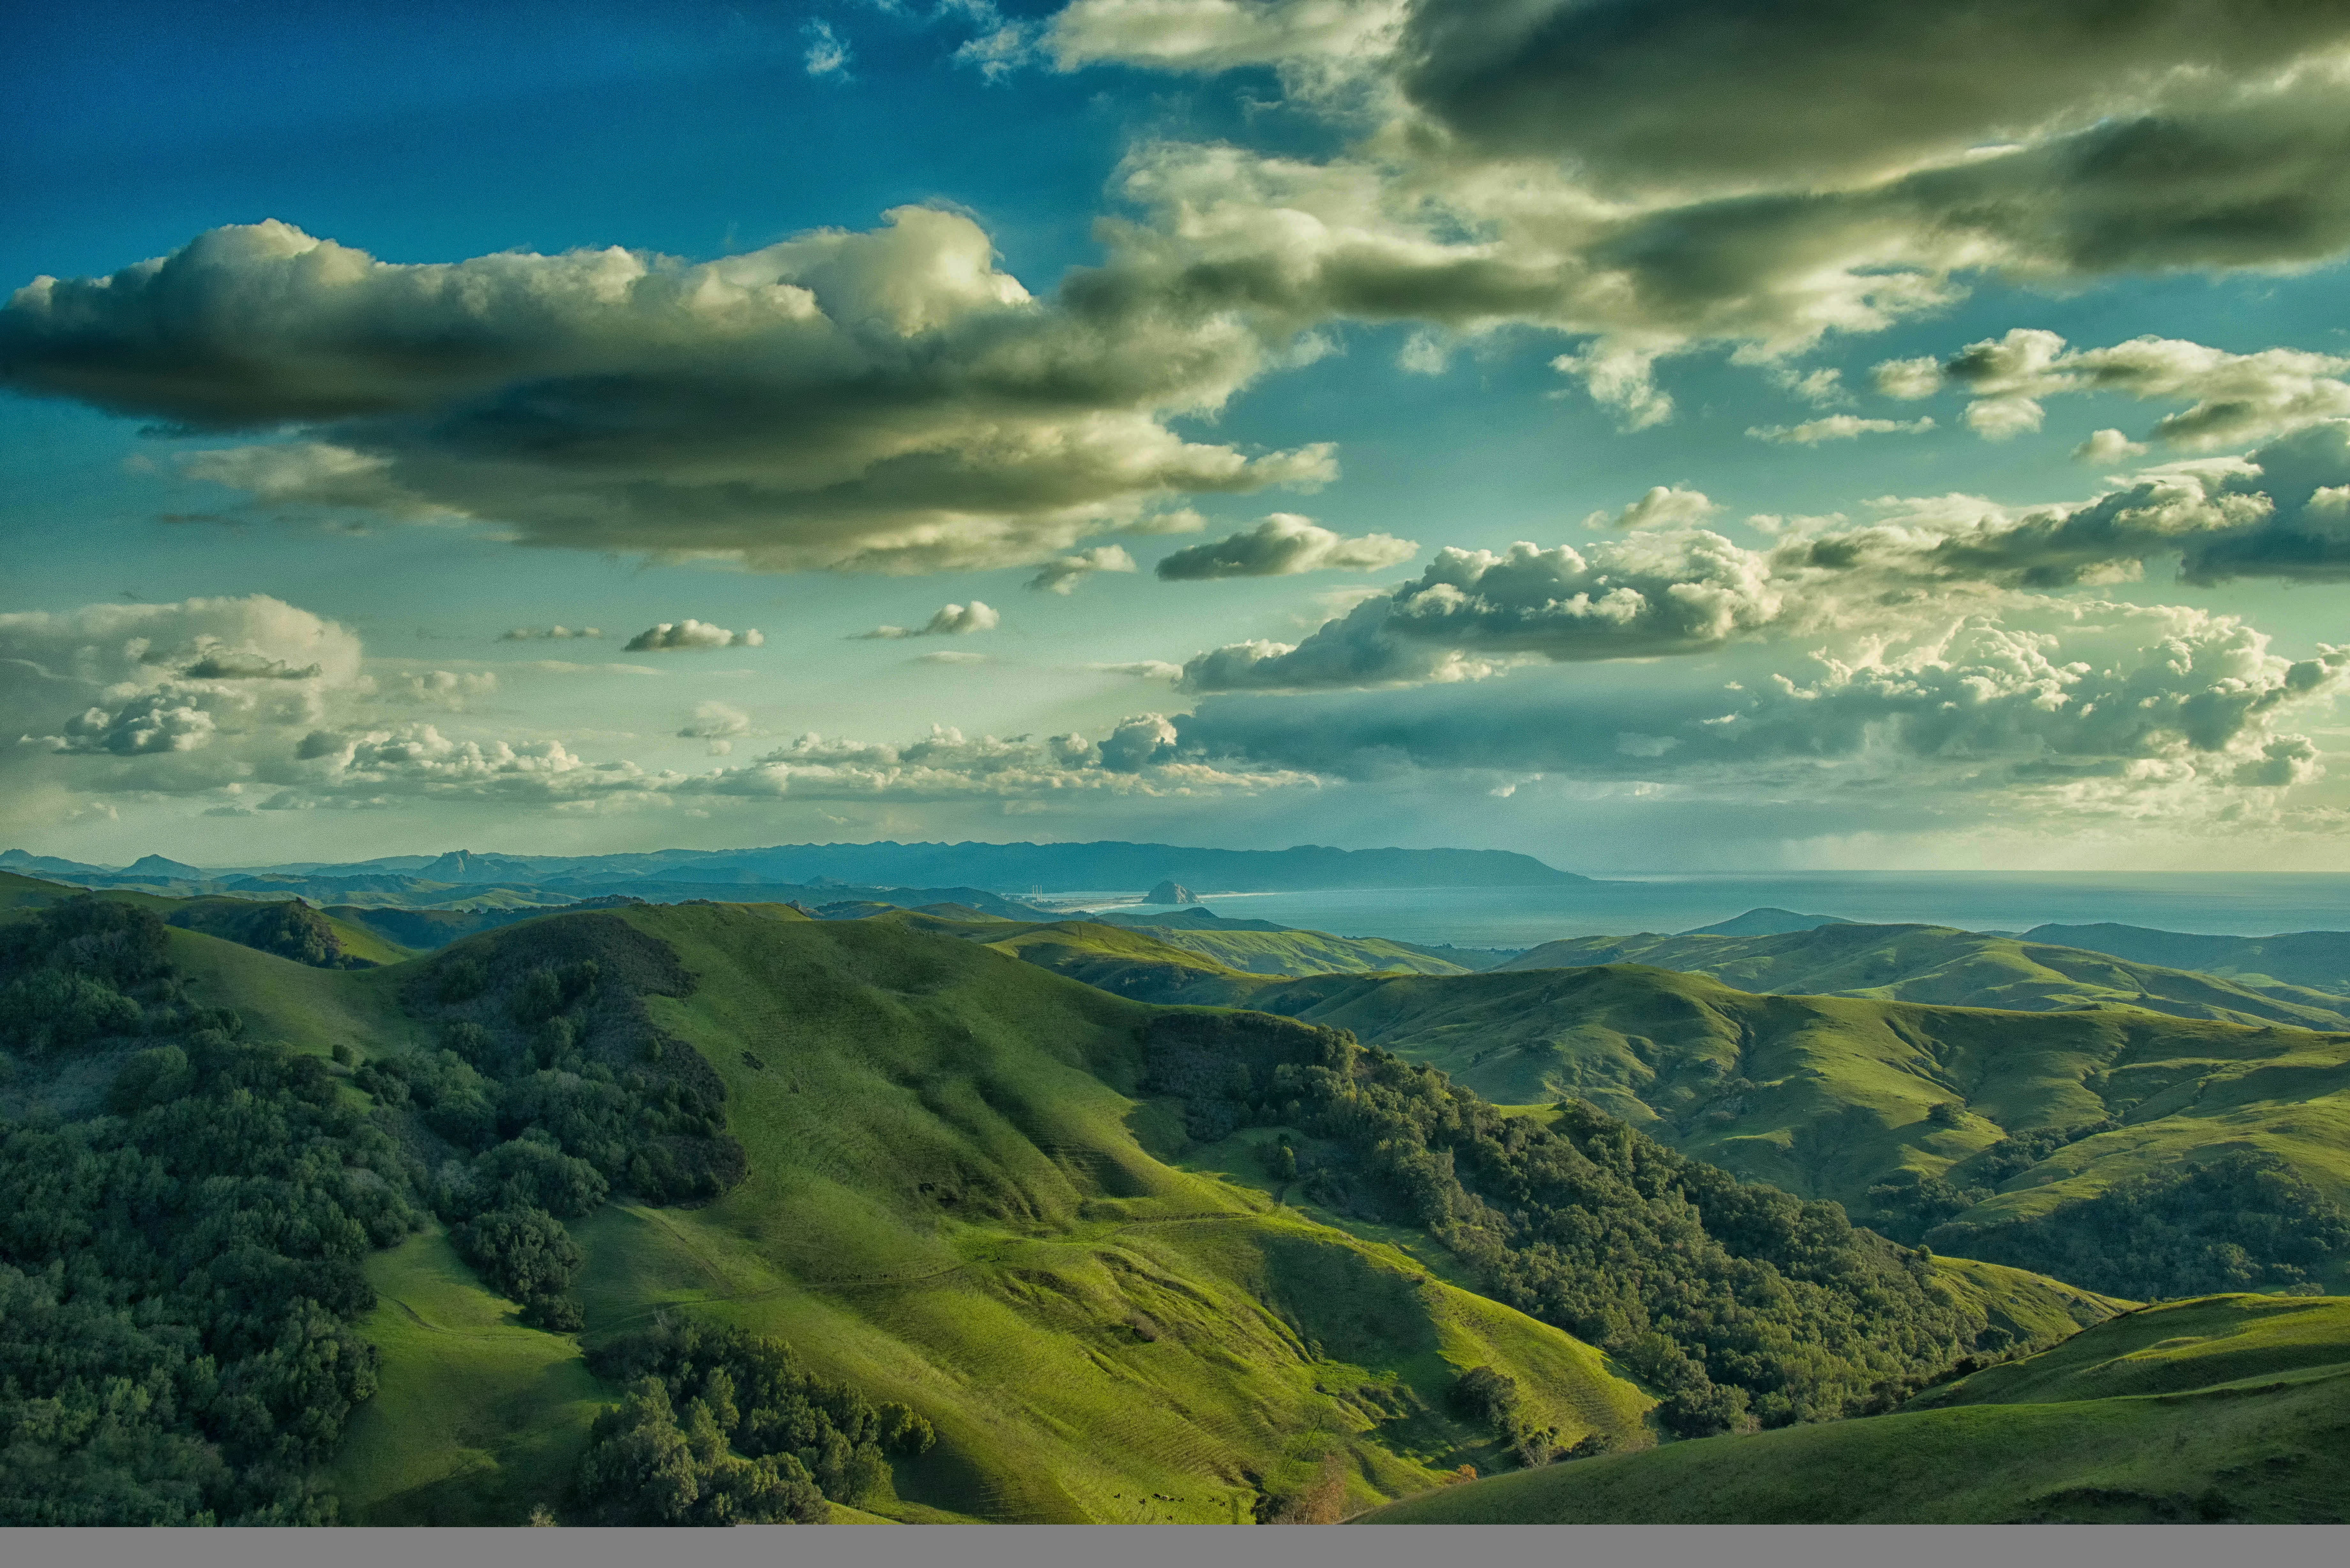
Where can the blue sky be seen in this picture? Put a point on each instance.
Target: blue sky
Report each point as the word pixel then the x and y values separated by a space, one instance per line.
pixel 270 518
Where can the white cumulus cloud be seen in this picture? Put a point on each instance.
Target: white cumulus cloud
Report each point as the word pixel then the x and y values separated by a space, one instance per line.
pixel 948 620
pixel 1281 546
pixel 668 636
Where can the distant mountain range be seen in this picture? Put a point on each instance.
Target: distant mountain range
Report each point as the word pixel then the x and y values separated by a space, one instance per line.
pixel 831 870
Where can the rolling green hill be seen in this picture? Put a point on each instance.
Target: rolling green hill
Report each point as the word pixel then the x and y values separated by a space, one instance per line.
pixel 949 1197
pixel 2015 1115
pixel 2234 1408
pixel 1304 952
pixel 288 927
pixel 950 1205
pixel 2317 959
pixel 1192 965
pixel 1953 968
pixel 1029 1210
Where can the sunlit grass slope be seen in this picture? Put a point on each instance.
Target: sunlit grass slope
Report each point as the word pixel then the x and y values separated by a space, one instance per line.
pixel 952 1204
pixel 1187 966
pixel 2233 1407
pixel 1953 968
pixel 475 1418
pixel 1304 952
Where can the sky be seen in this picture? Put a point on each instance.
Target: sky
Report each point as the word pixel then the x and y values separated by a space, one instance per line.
pixel 1688 435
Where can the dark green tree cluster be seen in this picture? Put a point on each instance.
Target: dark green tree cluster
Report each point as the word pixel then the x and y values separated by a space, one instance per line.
pixel 83 970
pixel 545 1027
pixel 720 1428
pixel 526 1256
pixel 2018 1152
pixel 180 1272
pixel 1909 1203
pixel 2241 1221
pixel 552 1089
pixel 1736 1301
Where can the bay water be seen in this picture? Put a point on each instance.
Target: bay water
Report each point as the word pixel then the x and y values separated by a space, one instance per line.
pixel 2217 903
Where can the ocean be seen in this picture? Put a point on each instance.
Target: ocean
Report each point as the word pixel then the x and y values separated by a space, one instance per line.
pixel 2216 903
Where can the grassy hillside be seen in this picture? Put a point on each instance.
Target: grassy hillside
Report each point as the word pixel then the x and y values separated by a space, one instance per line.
pixel 1952 967
pixel 954 1201
pixel 287 927
pixel 1304 952
pixel 968 1184
pixel 1187 966
pixel 475 1415
pixel 2235 1408
pixel 948 1205
pixel 1831 1096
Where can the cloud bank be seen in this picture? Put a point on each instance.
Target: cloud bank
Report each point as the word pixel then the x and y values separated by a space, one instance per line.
pixel 1680 591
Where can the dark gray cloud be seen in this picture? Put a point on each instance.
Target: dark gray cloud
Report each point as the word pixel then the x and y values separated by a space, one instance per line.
pixel 1654 177
pixel 1716 92
pixel 2233 398
pixel 887 400
pixel 1062 574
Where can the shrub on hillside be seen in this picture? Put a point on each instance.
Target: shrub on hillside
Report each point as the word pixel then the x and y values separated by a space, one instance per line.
pixel 719 1422
pixel 642 1467
pixel 526 1256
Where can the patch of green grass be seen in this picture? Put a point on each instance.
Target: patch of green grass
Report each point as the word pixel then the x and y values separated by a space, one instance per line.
pixel 309 1010
pixel 475 1418
pixel 2236 1407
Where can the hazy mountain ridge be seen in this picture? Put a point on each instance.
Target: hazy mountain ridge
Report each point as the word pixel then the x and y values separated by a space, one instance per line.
pixel 1944 965
pixel 1000 868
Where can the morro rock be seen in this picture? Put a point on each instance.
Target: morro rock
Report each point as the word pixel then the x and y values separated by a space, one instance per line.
pixel 1171 892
